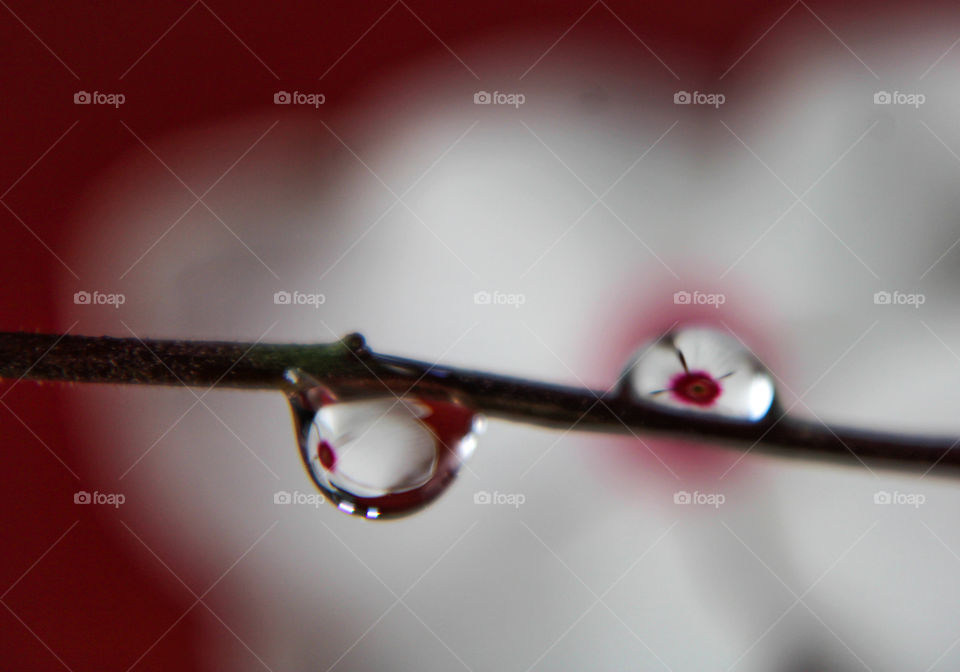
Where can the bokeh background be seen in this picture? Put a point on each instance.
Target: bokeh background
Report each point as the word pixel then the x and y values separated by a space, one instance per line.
pixel 798 198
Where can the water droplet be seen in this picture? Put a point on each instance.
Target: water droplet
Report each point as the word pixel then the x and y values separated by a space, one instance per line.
pixel 701 370
pixel 381 457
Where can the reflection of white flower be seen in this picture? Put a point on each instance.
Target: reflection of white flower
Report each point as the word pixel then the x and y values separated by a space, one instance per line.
pixel 705 370
pixel 380 457
pixel 372 448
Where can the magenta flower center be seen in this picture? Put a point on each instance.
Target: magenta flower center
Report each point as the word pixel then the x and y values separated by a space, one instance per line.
pixel 695 387
pixel 328 458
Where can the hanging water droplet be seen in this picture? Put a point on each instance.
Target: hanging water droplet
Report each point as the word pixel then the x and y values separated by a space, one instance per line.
pixel 702 370
pixel 380 457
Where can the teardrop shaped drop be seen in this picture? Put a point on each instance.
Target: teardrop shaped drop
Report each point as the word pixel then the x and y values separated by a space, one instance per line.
pixel 701 370
pixel 382 457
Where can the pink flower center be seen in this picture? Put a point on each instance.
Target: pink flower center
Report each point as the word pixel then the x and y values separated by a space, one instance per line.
pixel 695 387
pixel 328 458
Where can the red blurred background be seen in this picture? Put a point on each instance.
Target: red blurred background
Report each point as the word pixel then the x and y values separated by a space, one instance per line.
pixel 82 603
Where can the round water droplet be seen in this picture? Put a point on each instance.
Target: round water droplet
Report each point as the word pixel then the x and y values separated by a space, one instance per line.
pixel 701 370
pixel 381 457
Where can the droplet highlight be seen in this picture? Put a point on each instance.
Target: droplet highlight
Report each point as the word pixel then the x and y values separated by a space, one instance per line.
pixel 701 370
pixel 383 457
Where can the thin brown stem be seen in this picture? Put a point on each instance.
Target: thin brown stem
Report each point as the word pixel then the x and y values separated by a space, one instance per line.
pixel 354 371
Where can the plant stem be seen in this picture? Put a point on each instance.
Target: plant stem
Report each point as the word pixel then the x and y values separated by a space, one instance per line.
pixel 354 371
